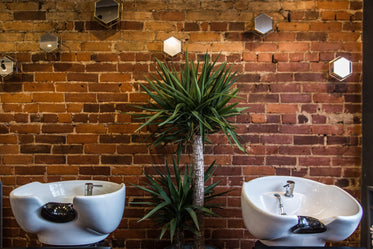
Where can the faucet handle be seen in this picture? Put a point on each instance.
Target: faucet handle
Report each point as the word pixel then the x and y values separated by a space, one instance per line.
pixel 289 188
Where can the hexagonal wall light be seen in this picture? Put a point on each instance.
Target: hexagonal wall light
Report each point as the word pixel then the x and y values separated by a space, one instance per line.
pixel 6 66
pixel 263 24
pixel 107 12
pixel 340 68
pixel 48 42
pixel 172 46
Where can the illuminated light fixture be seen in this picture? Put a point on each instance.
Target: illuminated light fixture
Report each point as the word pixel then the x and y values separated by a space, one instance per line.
pixel 340 68
pixel 48 42
pixel 107 12
pixel 263 24
pixel 6 66
pixel 172 46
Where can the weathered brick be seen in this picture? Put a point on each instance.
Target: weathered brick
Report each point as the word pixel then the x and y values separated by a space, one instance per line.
pixel 29 15
pixel 56 128
pixel 82 159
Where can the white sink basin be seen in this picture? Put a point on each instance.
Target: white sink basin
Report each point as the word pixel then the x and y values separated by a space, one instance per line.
pixel 328 204
pixel 88 220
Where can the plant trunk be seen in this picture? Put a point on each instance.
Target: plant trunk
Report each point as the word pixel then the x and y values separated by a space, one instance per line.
pixel 198 188
pixel 179 239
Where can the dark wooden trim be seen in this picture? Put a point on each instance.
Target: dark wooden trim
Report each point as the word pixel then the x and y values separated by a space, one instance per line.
pixel 367 150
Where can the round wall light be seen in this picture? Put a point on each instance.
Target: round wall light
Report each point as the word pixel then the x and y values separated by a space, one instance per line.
pixel 340 68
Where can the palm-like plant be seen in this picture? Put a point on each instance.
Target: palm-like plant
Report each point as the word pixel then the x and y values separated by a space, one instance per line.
pixel 187 106
pixel 171 200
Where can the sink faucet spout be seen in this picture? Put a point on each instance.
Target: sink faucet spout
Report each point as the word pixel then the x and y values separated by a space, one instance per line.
pixel 88 188
pixel 289 188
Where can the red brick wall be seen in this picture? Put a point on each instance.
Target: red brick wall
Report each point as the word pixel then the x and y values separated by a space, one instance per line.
pixel 61 114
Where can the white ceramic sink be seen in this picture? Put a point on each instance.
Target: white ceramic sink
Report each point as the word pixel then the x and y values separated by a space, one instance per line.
pixel 84 220
pixel 328 204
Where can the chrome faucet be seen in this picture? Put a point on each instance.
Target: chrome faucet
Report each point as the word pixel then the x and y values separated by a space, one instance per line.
pixel 280 202
pixel 289 188
pixel 88 188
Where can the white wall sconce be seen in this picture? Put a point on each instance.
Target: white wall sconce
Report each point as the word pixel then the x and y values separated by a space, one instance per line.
pixel 107 12
pixel 48 42
pixel 172 46
pixel 340 68
pixel 6 66
pixel 263 24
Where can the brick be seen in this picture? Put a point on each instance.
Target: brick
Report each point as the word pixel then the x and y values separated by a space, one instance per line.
pixel 25 128
pixel 259 170
pixel 52 108
pixel 169 15
pixel 280 160
pixel 82 159
pixel 96 46
pixel 306 5
pixel 323 4
pixel 54 128
pixel 115 77
pixel 80 97
pixel 50 159
pixel 8 139
pixel 104 57
pixel 293 47
pixel 90 128
pixel 38 87
pixel 326 46
pixel 30 15
pixel 308 140
pixel 50 139
pixel 325 26
pixel 81 139
pixel 36 67
pixel 295 98
pixel 293 67
pixel 128 128
pixel 127 170
pixel 131 25
pixel 68 67
pixel 277 139
pixel 210 37
pixel 122 160
pixel 99 148
pixel 27 170
pixel 265 98
pixel 48 97
pixel 97 170
pixel 17 159
pixel 85 77
pixel 101 67
pixel 15 98
pixel 50 77
pixel 325 171
pixel 67 149
pixel 62 170
pixel 293 26
pixel 328 129
pixel 114 139
pixel 282 108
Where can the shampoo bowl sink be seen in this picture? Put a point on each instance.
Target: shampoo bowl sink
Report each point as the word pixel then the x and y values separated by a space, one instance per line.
pixel 316 212
pixel 69 213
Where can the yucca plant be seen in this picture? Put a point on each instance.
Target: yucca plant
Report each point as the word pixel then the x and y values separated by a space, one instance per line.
pixel 172 203
pixel 186 106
